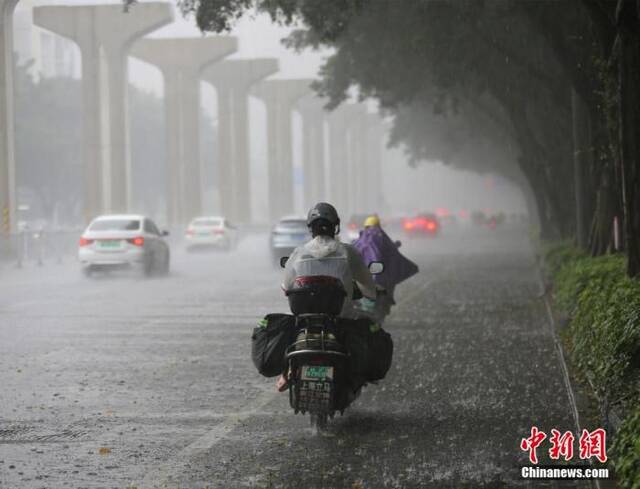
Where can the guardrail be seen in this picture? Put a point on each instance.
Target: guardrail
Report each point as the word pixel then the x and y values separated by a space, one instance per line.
pixel 38 247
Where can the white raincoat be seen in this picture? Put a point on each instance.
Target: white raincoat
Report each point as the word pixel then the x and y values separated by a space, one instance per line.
pixel 324 255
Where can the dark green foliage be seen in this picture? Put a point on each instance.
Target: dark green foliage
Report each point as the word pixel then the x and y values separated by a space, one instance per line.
pixel 558 254
pixel 604 305
pixel 626 452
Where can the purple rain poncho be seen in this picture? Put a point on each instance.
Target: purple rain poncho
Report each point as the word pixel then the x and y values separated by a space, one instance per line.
pixel 375 245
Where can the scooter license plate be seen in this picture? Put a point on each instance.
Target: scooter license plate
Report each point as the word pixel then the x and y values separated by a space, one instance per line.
pixel 316 373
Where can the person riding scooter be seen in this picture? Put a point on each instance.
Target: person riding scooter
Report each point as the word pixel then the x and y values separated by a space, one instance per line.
pixel 375 245
pixel 326 256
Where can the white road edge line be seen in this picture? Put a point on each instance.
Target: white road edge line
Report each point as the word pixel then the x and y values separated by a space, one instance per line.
pixel 551 324
pixel 160 476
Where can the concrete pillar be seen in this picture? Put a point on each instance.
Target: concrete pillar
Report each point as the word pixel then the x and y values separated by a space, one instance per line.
pixel 104 34
pixel 376 140
pixel 232 80
pixel 182 62
pixel 313 114
pixel 7 163
pixel 279 97
pixel 358 163
pixel 340 174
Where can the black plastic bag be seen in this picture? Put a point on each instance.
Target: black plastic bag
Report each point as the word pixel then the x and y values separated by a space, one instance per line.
pixel 380 354
pixel 370 349
pixel 356 333
pixel 269 343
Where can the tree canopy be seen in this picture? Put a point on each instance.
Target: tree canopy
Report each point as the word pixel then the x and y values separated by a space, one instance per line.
pixel 545 84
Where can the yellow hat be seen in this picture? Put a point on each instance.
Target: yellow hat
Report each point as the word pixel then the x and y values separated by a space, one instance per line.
pixel 373 220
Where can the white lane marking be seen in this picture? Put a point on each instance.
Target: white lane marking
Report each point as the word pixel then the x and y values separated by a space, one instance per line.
pixel 162 475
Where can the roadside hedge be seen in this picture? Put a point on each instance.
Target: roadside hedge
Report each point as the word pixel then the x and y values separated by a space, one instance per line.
pixel 626 451
pixel 603 306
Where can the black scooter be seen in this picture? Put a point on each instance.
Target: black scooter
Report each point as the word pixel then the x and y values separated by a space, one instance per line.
pixel 317 362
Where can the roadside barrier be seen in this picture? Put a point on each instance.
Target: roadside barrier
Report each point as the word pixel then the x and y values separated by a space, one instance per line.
pixel 38 247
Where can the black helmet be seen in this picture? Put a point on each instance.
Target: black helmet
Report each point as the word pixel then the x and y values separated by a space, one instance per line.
pixel 324 211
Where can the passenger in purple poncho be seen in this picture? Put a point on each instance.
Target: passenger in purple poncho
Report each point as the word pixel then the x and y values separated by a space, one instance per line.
pixel 375 245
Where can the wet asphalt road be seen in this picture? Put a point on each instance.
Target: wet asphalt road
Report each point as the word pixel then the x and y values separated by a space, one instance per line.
pixel 120 382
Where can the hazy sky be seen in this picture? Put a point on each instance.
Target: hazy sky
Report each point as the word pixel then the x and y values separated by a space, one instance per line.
pixel 406 189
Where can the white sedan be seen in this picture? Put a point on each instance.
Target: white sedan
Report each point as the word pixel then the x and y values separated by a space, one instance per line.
pixel 211 231
pixel 124 241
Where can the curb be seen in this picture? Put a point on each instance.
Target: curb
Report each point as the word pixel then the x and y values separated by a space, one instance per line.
pixel 553 329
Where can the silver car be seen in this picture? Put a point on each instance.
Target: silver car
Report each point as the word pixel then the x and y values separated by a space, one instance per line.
pixel 289 233
pixel 124 241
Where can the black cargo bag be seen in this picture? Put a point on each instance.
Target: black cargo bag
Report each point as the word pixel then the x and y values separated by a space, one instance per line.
pixel 269 343
pixel 356 336
pixel 370 349
pixel 380 353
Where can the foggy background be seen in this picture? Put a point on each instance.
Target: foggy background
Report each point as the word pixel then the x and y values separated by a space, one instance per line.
pixel 48 130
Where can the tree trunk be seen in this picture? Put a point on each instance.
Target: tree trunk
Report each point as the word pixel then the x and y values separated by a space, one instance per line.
pixel 581 148
pixel 600 239
pixel 628 19
pixel 549 228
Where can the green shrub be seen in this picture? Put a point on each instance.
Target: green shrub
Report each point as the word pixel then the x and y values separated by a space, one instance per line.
pixel 604 333
pixel 626 452
pixel 557 254
pixel 605 328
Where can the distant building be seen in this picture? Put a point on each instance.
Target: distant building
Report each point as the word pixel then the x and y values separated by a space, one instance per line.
pixel 51 55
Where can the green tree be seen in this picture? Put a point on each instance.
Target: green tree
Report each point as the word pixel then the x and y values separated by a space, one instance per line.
pixel 525 57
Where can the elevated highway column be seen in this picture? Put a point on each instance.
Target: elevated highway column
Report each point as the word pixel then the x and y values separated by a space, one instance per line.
pixel 313 114
pixel 376 137
pixel 358 162
pixel 7 162
pixel 232 80
pixel 340 183
pixel 104 34
pixel 182 62
pixel 279 97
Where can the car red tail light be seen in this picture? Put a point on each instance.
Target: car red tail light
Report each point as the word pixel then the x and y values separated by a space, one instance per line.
pixel 422 223
pixel 139 241
pixel 408 225
pixel 353 226
pixel 85 242
pixel 218 231
pixel 431 225
pixel 189 232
